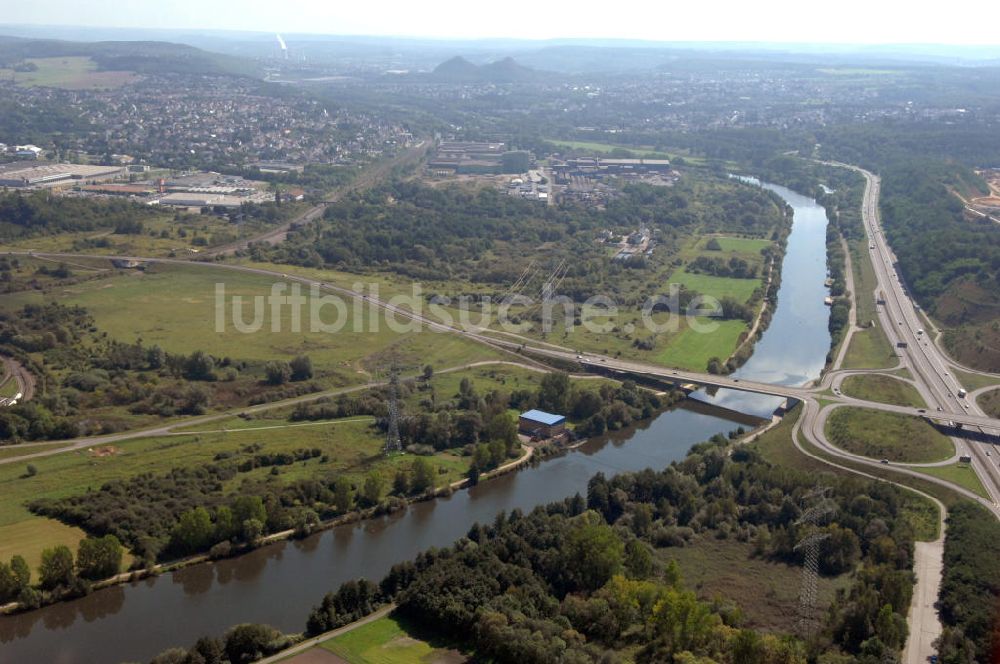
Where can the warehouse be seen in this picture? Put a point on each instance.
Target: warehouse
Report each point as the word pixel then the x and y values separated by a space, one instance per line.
pixel 41 174
pixel 539 424
pixel 194 200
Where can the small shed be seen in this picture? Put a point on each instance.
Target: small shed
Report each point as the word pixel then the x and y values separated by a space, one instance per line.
pixel 541 424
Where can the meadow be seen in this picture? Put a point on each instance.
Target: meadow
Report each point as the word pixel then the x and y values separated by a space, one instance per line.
pixel 884 389
pixel 692 349
pixel 747 246
pixel 870 349
pixel 390 640
pixel 717 287
pixel 961 474
pixel 766 592
pixel 881 435
pixel 174 307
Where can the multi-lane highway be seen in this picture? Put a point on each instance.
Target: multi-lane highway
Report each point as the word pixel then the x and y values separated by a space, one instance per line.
pixel 932 370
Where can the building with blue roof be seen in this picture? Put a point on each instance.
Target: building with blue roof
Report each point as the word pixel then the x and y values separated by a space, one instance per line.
pixel 538 423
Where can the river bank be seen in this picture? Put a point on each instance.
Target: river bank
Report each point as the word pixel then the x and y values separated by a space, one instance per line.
pixel 388 507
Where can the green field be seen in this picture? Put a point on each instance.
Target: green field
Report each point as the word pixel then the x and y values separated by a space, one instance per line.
pixel 742 245
pixel 718 287
pixel 389 641
pixel 776 446
pixel 174 307
pixel 881 435
pixel 692 350
pixel 162 236
pixel 70 72
pixel 30 536
pixel 961 474
pixel 870 349
pixel 9 451
pixel 884 389
pixel 865 281
pixel 974 381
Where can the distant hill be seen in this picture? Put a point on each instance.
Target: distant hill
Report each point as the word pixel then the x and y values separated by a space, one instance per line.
pixel 460 70
pixel 145 57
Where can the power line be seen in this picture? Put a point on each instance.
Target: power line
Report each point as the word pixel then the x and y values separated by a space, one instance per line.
pixel 822 507
pixel 393 442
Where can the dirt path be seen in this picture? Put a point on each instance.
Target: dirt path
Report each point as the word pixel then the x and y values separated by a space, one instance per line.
pixel 326 636
pixel 923 619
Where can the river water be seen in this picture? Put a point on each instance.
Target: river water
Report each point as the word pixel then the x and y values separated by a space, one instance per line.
pixel 279 583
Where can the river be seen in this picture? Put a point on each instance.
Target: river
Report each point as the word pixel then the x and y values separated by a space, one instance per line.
pixel 279 583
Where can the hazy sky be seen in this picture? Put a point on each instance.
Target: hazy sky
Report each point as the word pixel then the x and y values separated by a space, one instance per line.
pixel 837 21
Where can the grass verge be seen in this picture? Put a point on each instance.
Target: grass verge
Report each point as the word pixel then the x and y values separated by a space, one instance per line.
pixel 990 403
pixel 869 349
pixel 961 474
pixel 390 640
pixel 880 435
pixel 884 389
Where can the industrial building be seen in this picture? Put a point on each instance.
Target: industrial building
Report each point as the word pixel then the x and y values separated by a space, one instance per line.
pixel 279 167
pixel 34 174
pixel 539 424
pixel 470 157
pixel 600 166
pixel 118 189
pixel 195 200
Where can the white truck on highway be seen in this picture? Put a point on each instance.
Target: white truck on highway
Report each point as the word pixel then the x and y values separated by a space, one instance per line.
pixel 962 392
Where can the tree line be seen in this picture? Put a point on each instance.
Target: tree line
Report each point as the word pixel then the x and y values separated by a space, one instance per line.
pixel 59 575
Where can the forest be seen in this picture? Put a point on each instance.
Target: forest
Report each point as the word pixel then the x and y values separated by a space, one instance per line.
pixel 591 578
pixel 41 213
pixel 483 235
pixel 581 580
pixel 970 586
pixel 950 261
